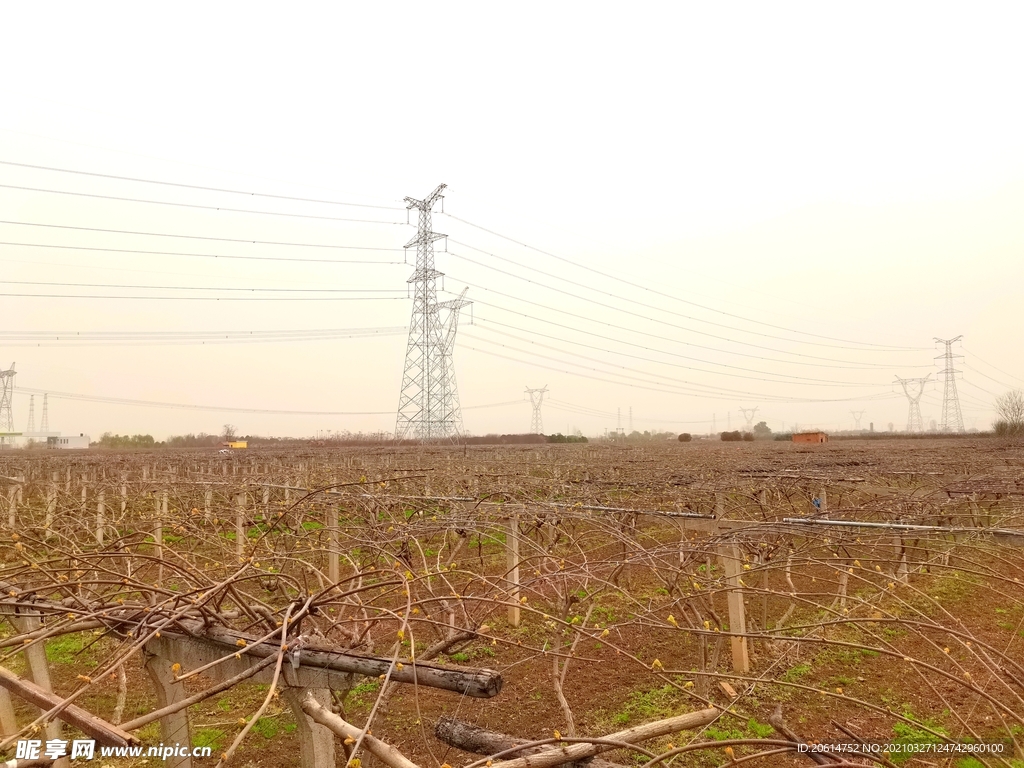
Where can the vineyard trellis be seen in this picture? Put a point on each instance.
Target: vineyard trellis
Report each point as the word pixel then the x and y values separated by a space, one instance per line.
pixel 716 577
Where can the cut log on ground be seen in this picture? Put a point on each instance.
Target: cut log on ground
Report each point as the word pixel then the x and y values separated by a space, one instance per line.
pixel 481 741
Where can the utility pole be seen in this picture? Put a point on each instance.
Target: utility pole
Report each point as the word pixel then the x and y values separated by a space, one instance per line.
pixel 952 418
pixel 428 407
pixel 749 414
pixel 536 399
pixel 857 417
pixel 915 422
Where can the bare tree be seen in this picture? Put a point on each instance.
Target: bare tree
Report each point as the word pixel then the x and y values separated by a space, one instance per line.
pixel 229 431
pixel 1010 412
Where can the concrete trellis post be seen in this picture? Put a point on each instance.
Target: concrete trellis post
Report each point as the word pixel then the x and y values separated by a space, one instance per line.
pixel 12 507
pixel 39 670
pixel 173 727
pixel 207 503
pixel 8 722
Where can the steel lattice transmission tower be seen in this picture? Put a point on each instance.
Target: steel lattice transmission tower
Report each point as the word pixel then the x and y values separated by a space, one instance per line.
pixel 536 400
pixel 44 426
pixel 6 398
pixel 428 407
pixel 857 416
pixel 31 414
pixel 952 418
pixel 749 414
pixel 915 422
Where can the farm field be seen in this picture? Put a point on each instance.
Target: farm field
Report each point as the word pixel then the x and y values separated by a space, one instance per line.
pixel 858 592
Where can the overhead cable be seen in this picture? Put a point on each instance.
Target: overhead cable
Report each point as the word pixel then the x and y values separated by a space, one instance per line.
pixel 881 347
pixel 197 186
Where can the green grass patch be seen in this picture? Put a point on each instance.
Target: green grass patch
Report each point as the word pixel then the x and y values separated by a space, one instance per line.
pixel 209 737
pixel 65 649
pixel 267 727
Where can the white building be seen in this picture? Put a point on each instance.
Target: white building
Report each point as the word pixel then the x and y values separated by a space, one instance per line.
pixel 68 443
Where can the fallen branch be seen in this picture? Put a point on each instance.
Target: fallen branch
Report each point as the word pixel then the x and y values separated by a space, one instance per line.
pixel 383 752
pixel 107 734
pixel 775 721
pixel 481 741
pixel 638 733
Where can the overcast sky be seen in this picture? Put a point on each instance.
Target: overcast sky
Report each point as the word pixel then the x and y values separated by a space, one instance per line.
pixel 679 209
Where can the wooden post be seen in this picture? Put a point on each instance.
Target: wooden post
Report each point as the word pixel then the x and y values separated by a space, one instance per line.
pixel 100 517
pixel 173 727
pixel 158 535
pixel 732 563
pixel 51 504
pixel 240 524
pixel 333 558
pixel 512 548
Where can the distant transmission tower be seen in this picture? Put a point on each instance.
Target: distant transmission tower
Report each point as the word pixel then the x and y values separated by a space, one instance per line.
pixel 6 397
pixel 857 415
pixel 428 407
pixel 952 418
pixel 31 414
pixel 915 422
pixel 749 414
pixel 45 425
pixel 536 399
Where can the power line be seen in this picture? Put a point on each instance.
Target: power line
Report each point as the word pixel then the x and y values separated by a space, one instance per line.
pixel 193 205
pixel 201 298
pixel 632 301
pixel 77 340
pixel 882 347
pixel 678 390
pixel 226 409
pixel 198 237
pixel 1016 378
pixel 203 288
pixel 197 186
pixel 642 333
pixel 284 334
pixel 212 255
pixel 800 380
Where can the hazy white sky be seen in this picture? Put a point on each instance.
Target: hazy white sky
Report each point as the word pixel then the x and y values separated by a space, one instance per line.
pixel 698 207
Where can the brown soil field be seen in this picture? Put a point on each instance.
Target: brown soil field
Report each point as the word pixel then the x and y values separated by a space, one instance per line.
pixel 874 586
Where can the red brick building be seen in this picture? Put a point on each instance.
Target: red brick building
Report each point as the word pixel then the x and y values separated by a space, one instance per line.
pixel 810 437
